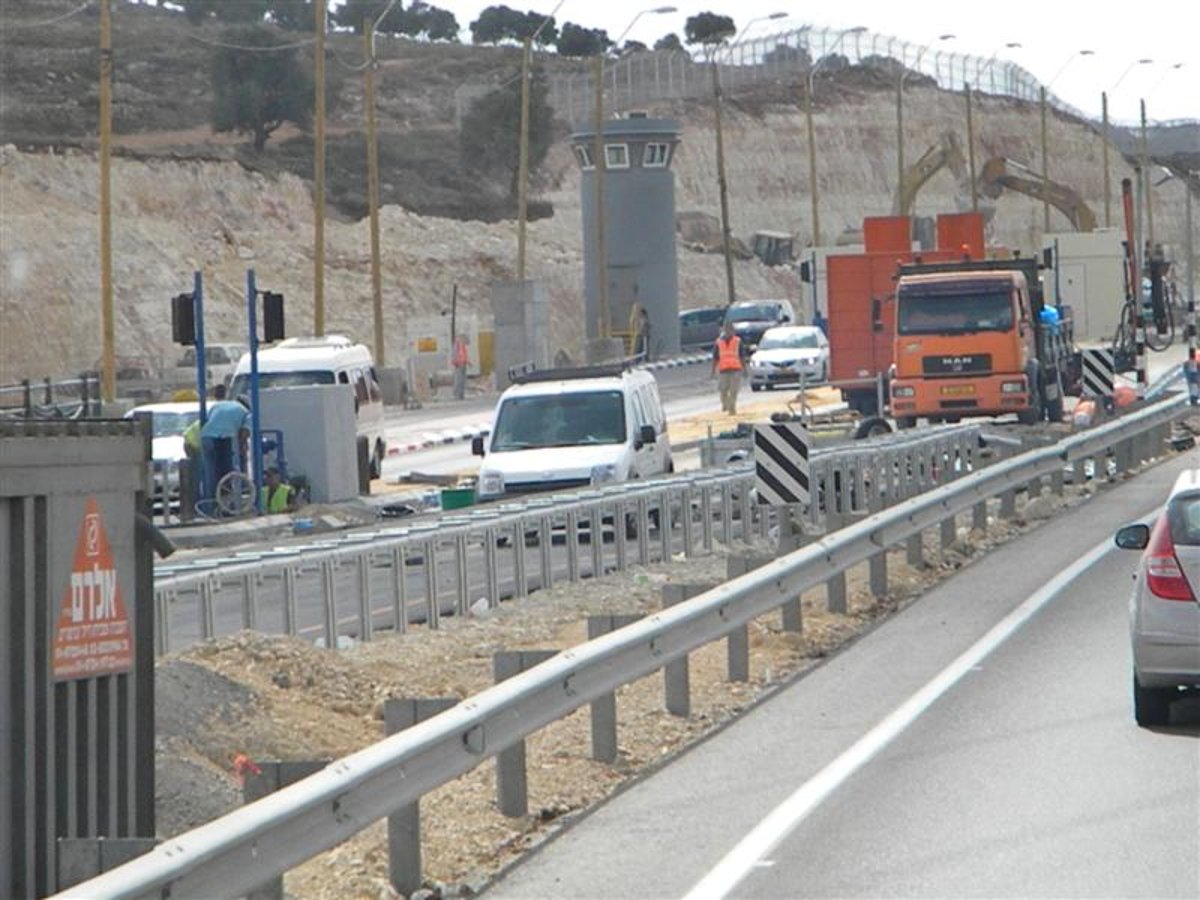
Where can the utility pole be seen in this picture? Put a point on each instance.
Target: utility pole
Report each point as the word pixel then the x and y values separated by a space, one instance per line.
pixel 373 188
pixel 1104 152
pixel 523 160
pixel 1045 171
pixel 1149 182
pixel 108 379
pixel 730 293
pixel 971 151
pixel 319 173
pixel 812 162
pixel 598 164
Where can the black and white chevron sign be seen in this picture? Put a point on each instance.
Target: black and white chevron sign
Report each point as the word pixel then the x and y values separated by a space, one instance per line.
pixel 781 463
pixel 1099 370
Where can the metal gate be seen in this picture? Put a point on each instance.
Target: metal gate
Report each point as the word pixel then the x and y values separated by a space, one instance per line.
pixel 76 643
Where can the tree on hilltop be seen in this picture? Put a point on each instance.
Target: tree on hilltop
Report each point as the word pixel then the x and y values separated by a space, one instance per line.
pixel 668 42
pixel 257 90
pixel 575 40
pixel 500 23
pixel 489 138
pixel 708 28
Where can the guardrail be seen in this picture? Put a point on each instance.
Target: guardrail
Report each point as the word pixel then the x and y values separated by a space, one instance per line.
pixel 73 398
pixel 387 579
pixel 234 854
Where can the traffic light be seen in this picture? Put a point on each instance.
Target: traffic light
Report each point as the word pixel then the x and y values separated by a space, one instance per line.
pixel 183 320
pixel 272 317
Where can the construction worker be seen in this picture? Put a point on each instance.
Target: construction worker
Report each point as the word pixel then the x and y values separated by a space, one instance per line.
pixel 276 495
pixel 459 359
pixel 727 365
pixel 228 421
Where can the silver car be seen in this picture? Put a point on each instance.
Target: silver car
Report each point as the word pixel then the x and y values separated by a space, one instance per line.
pixel 1164 615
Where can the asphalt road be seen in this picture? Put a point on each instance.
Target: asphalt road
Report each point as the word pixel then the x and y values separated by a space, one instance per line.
pixel 1024 776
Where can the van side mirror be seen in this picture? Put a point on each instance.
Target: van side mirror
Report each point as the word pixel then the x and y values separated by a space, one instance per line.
pixel 1133 537
pixel 477 445
pixel 647 435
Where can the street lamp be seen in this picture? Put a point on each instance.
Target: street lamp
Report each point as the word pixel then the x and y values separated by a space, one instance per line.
pixel 904 73
pixel 598 164
pixel 1010 45
pixel 1104 142
pixel 722 185
pixel 812 144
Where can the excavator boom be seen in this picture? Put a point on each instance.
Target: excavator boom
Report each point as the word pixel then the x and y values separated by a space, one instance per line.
pixel 1000 174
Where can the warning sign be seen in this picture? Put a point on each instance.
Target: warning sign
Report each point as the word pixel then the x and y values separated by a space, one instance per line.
pixel 92 636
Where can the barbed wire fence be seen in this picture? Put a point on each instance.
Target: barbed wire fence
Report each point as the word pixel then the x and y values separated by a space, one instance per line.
pixel 644 77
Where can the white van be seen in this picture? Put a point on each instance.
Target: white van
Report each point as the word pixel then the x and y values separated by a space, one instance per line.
pixel 570 428
pixel 332 359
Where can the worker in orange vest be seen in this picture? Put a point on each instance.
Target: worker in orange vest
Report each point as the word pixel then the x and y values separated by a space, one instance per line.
pixel 727 366
pixel 459 360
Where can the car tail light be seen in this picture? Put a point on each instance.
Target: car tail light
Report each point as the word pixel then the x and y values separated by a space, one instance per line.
pixel 1164 577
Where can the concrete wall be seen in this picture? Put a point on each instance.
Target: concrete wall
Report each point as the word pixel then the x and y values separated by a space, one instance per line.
pixel 319 434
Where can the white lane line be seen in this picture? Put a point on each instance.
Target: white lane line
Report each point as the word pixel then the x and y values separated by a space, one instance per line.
pixel 755 847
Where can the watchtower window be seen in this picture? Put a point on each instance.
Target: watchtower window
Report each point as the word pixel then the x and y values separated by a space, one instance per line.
pixel 616 156
pixel 656 155
pixel 584 155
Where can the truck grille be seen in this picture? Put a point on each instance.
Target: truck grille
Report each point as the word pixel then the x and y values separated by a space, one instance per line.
pixel 949 366
pixel 537 487
pixel 959 404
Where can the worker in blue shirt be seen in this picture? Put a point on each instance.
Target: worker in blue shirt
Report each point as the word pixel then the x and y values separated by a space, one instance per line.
pixel 228 421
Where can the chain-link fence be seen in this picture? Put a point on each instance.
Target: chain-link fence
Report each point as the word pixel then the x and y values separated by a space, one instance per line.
pixel 643 77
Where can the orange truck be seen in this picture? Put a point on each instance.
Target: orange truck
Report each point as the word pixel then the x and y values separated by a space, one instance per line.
pixel 942 333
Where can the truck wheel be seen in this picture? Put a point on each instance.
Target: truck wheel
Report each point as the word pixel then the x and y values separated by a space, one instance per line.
pixel 1033 414
pixel 1054 407
pixel 870 427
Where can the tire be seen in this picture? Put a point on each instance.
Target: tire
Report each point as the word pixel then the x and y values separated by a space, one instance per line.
pixel 377 460
pixel 755 387
pixel 870 427
pixel 1054 408
pixel 1033 415
pixel 1151 706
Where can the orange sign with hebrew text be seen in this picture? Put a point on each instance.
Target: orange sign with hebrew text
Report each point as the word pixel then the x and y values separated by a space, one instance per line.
pixel 92 634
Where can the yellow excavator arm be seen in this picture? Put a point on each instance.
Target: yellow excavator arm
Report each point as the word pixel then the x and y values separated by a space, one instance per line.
pixel 1000 174
pixel 946 153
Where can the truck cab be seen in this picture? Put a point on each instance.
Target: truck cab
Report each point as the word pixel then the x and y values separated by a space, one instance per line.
pixel 970 340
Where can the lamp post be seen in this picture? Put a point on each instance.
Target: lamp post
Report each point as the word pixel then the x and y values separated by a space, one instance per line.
pixel 1145 154
pixel 1010 45
pixel 1045 156
pixel 904 72
pixel 1104 143
pixel 598 163
pixel 722 186
pixel 812 143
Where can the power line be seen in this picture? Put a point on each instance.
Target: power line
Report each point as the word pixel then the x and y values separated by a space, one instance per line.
pixel 260 49
pixel 55 20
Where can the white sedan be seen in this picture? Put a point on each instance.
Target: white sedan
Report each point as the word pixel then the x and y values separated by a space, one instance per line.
pixel 788 354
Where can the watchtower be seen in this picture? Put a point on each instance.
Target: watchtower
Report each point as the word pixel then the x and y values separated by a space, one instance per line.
pixel 639 228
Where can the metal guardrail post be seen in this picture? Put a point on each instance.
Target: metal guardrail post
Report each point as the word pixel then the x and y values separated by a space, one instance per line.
pixel 746 512
pixel 519 573
pixel 250 601
pixel 490 563
pixel 404 825
pixel 677 694
pixel 291 624
pixel 689 523
pixel 949 533
pixel 399 590
pixel 162 622
pixel 596 538
pixel 726 513
pixel 643 530
pixel 512 793
pixel 706 517
pixel 329 602
pixel 604 708
pixel 546 550
pixel 572 546
pixel 433 609
pixel 366 624
pixel 462 575
pixel 666 528
pixel 207 617
pixel 270 777
pixel 620 534
pixel 1008 504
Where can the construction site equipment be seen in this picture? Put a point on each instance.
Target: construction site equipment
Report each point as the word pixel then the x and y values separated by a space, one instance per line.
pixel 974 337
pixel 947 153
pixel 1000 174
pixel 774 248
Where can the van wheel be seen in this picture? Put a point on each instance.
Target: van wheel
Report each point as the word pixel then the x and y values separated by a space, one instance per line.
pixel 377 460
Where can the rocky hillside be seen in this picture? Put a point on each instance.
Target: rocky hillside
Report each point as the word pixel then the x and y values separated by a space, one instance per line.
pixel 185 199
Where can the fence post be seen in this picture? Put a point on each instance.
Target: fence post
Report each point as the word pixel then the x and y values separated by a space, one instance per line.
pixel 604 708
pixel 267 778
pixel 404 825
pixel 512 794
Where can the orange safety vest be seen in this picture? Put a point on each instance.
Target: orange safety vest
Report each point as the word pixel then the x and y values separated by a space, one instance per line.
pixel 729 358
pixel 460 358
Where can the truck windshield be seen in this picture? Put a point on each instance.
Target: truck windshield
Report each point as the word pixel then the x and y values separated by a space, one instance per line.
pixel 928 309
pixel 560 420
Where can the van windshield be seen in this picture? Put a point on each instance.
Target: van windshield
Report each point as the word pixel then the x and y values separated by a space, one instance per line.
pixel 560 420
pixel 929 309
pixel 241 384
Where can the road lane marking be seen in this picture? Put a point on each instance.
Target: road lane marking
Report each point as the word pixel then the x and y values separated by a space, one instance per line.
pixel 756 846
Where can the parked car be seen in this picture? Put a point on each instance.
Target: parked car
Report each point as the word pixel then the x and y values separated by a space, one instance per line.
pixel 787 354
pixel 169 421
pixel 220 362
pixel 1164 617
pixel 751 318
pixel 562 429
pixel 699 328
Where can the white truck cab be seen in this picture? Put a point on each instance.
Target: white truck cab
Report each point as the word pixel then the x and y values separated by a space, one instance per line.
pixel 562 429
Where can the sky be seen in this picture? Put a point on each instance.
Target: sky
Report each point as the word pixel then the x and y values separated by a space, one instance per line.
pixel 1051 34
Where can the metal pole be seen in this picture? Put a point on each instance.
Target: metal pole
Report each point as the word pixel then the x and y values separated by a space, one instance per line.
pixel 108 373
pixel 1149 182
pixel 812 166
pixel 255 423
pixel 731 294
pixel 523 161
pixel 201 354
pixel 373 188
pixel 1104 151
pixel 900 135
pixel 598 166
pixel 971 150
pixel 319 172
pixel 1045 170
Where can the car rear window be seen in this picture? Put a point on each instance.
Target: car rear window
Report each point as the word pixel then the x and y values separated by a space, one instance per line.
pixel 1183 515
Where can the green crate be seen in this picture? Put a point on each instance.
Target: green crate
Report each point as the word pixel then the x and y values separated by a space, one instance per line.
pixel 457 498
